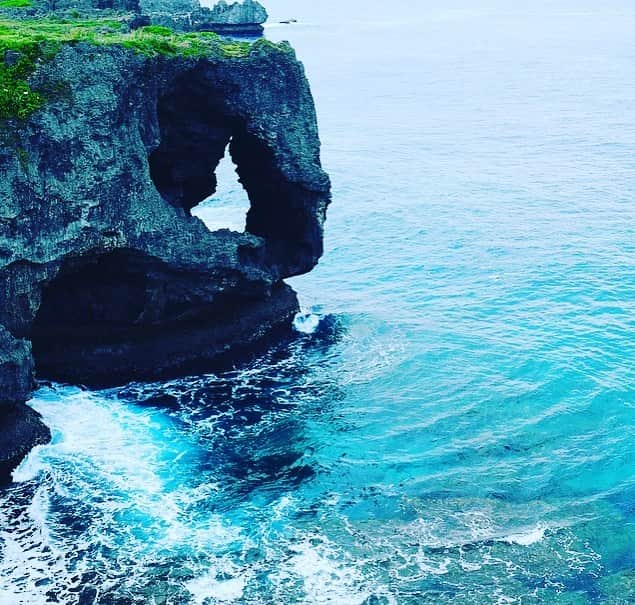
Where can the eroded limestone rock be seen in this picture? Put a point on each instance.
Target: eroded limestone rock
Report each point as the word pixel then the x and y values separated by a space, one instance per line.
pixel 102 266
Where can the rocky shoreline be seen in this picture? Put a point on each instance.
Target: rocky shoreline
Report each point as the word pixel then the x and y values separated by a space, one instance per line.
pixel 105 276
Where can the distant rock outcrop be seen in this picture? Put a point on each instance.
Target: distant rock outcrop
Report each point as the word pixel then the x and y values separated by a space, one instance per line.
pixel 171 7
pixel 236 18
pixel 236 13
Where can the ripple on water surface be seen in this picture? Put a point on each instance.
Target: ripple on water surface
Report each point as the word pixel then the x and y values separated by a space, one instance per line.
pixel 270 484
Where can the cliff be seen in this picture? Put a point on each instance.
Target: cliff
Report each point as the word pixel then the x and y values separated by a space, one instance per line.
pixel 109 139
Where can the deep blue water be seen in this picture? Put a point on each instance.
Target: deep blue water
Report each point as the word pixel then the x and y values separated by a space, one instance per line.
pixel 454 422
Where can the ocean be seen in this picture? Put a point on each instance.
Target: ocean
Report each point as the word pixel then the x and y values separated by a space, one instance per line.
pixel 453 422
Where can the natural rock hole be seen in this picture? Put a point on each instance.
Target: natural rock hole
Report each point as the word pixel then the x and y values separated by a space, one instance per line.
pixel 194 137
pixel 228 207
pixel 196 126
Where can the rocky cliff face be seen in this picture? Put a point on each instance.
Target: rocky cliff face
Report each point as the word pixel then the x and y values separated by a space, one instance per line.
pixel 238 18
pixel 105 275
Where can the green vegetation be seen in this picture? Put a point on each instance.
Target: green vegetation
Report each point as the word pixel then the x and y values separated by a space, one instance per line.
pixel 26 42
pixel 15 3
pixel 158 30
pixel 17 99
pixel 152 40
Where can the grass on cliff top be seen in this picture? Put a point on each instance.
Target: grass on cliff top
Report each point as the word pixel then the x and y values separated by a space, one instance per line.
pixel 15 3
pixel 25 42
pixel 152 40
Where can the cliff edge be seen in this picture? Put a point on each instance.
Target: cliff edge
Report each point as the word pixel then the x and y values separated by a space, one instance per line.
pixel 109 138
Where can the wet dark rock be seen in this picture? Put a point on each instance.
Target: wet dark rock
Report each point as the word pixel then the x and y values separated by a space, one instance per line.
pixel 83 353
pixel 16 369
pixel 102 267
pixel 22 429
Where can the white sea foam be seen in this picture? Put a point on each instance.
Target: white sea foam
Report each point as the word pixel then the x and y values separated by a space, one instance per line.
pixel 527 537
pixel 325 575
pixel 106 437
pixel 306 322
pixel 31 466
pixel 208 588
pixel 29 560
pixel 127 464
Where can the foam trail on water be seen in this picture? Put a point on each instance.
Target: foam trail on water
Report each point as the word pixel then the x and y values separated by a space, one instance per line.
pixel 125 476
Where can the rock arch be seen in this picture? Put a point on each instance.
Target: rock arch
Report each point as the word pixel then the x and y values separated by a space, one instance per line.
pixel 275 149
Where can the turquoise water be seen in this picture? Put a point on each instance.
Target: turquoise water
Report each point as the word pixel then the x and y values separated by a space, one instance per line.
pixel 454 421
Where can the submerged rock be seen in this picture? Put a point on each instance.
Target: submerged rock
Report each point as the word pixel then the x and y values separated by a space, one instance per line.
pixel 102 267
